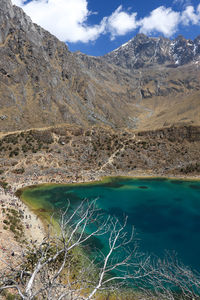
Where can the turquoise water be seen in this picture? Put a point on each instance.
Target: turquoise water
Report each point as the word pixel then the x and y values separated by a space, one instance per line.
pixel 165 213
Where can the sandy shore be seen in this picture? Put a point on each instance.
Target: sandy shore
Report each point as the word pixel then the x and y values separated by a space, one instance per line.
pixel 33 228
pixel 88 176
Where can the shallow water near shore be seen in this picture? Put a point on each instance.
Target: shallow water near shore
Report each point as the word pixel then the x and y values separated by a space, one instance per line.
pixel 165 212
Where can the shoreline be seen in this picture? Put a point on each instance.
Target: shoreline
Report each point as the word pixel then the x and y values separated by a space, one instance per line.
pixel 96 178
pixel 11 249
pixel 33 224
pixel 36 230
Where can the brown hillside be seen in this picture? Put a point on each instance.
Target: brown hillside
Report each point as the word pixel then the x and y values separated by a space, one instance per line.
pixel 43 84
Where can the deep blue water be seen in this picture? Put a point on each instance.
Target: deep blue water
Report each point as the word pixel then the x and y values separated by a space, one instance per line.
pixel 165 213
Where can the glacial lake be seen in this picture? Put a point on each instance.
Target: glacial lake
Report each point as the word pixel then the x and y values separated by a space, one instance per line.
pixel 165 212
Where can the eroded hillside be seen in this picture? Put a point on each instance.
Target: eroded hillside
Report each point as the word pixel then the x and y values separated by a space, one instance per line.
pixel 43 84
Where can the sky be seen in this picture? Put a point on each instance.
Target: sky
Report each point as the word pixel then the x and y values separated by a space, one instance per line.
pixel 96 27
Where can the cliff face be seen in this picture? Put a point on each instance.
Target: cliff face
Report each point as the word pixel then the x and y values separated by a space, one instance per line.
pixel 38 74
pixel 42 83
pixel 6 13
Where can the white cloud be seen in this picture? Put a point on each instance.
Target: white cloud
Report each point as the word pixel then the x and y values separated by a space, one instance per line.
pixel 17 2
pixel 66 19
pixel 189 15
pixel 121 22
pixel 161 19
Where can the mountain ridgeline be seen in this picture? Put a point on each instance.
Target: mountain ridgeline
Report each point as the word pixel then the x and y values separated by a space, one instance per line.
pixel 147 83
pixel 142 51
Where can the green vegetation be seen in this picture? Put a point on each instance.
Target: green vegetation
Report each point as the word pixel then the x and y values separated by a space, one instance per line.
pixel 92 149
pixel 19 171
pixel 9 296
pixel 32 141
pixel 3 184
pixel 13 223
pixel 191 168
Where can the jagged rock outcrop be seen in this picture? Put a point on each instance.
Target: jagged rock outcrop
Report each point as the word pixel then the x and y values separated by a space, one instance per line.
pixel 42 83
pixel 143 51
pixel 6 12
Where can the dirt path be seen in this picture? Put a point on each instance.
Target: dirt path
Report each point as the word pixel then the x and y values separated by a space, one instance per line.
pixel 113 155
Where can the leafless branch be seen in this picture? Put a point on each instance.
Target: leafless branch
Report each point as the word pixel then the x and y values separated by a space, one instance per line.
pixel 59 269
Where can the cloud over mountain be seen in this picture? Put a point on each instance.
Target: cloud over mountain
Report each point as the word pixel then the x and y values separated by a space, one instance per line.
pixel 69 20
pixel 161 19
pixel 121 22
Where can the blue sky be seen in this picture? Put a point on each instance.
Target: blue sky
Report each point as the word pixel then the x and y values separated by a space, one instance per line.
pixel 98 27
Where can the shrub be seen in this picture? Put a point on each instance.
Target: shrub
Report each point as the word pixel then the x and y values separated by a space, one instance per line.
pixel 3 184
pixel 19 171
pixel 12 228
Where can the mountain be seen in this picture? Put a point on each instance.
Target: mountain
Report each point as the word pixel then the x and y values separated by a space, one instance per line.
pixel 147 83
pixel 143 51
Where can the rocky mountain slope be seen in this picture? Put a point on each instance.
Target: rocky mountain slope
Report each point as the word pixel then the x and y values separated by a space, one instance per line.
pixel 143 51
pixel 148 83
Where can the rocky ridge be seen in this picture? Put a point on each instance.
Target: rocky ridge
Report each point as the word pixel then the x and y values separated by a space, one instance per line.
pixel 143 51
pixel 43 84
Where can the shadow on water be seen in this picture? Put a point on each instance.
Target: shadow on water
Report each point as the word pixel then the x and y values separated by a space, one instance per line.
pixel 154 179
pixel 117 212
pixel 152 218
pixel 73 197
pixel 194 186
pixel 143 187
pixel 177 181
pixel 177 237
pixel 176 212
pixel 196 224
pixel 177 199
pixel 116 182
pixel 113 185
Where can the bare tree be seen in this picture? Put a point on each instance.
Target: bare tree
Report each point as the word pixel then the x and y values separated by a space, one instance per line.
pixel 42 271
pixel 59 268
pixel 172 280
